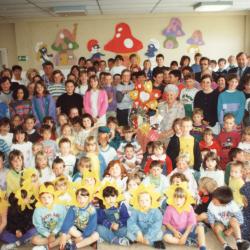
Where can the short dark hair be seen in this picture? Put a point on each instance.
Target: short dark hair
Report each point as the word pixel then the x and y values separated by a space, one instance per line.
pixel 58 160
pixel 109 191
pixel 205 59
pixel 156 164
pixel 48 63
pixel 231 77
pixel 160 55
pixel 222 60
pixel 45 127
pixel 175 73
pixel 89 116
pixel 4 121
pixel 25 92
pixel 17 67
pixel 207 76
pixel 82 192
pixel 240 54
pixel 129 145
pixel 64 140
pixel 119 57
pixel 233 153
pixel 2 155
pixel 223 194
pixel 4 79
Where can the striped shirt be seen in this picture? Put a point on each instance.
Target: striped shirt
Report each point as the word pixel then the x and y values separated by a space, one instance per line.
pixel 56 89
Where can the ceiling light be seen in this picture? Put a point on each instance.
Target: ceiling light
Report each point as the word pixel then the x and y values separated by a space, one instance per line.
pixel 212 6
pixel 79 10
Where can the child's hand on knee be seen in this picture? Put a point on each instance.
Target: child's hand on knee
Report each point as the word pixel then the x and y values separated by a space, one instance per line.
pixel 183 240
pixel 51 238
pixel 115 226
pixel 19 234
pixel 177 234
pixel 63 241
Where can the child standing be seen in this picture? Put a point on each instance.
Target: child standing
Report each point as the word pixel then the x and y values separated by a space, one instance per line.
pixel 107 152
pixel 159 155
pixel 210 168
pixel 80 222
pixel 112 218
pixel 48 218
pixel 13 177
pixel 68 158
pixel 130 161
pixel 49 146
pixel 209 142
pixel 245 143
pixel 20 142
pixel 225 214
pixel 228 139
pixel 96 101
pixel 180 221
pixel 5 131
pixel 236 181
pixel 144 224
pixel 3 172
pixel 29 126
pixel 198 126
pixel 188 93
pixel 42 166
pixel 231 101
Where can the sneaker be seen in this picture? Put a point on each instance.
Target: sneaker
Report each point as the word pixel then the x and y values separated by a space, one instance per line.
pixel 243 245
pixel 159 244
pixel 100 240
pixel 40 248
pixel 70 246
pixel 8 246
pixel 123 241
pixel 191 243
pixel 227 247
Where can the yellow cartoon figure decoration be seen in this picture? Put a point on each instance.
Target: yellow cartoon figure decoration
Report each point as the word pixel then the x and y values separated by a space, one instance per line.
pixel 3 201
pixel 28 200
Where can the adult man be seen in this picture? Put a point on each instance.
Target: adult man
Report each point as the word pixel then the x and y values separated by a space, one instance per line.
pixel 204 64
pixel 48 68
pixel 242 70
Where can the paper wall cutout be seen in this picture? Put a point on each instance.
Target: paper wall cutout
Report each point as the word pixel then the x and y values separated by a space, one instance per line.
pixel 64 44
pixel 123 41
pixel 94 48
pixel 42 54
pixel 153 47
pixel 195 41
pixel 173 30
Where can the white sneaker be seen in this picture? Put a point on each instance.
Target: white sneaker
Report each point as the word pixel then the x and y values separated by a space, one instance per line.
pixel 39 248
pixel 8 246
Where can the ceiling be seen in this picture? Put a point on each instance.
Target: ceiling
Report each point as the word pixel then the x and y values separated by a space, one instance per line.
pixel 43 8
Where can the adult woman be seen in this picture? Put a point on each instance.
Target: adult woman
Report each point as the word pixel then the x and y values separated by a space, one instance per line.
pixel 20 104
pixel 124 102
pixel 169 111
pixel 206 99
pixel 43 103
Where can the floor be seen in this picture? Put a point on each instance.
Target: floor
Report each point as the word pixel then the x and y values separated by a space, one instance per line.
pixel 212 244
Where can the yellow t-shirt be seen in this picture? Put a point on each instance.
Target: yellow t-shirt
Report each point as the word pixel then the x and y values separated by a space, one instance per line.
pixel 235 184
pixel 187 146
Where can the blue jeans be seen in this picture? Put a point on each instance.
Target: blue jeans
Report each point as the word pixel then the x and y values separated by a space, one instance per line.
pixel 8 237
pixel 109 235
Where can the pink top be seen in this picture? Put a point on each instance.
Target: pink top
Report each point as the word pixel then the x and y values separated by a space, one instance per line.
pixel 180 221
pixel 102 103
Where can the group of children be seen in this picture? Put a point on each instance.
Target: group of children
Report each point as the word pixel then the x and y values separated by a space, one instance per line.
pixel 83 179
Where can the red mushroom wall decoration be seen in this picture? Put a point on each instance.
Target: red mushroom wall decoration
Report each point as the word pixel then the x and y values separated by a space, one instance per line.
pixel 123 41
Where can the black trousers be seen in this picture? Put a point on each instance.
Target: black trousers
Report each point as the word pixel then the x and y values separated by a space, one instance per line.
pixel 122 116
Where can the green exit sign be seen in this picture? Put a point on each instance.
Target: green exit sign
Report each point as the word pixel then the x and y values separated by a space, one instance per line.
pixel 22 58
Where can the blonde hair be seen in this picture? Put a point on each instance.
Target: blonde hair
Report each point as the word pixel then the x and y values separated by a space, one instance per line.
pixel 183 157
pixel 43 154
pixel 90 140
pixel 208 184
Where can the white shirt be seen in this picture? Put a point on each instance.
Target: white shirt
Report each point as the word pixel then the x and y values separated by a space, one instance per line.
pixel 108 154
pixel 245 146
pixel 94 102
pixel 26 149
pixel 7 138
pixel 117 70
pixel 217 175
pixel 69 161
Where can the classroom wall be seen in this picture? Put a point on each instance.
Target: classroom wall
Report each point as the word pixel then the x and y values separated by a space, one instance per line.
pixel 8 41
pixel 223 34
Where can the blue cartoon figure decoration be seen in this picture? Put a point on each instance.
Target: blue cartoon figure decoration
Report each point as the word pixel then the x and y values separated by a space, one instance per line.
pixel 153 47
pixel 173 31
pixel 94 48
pixel 42 54
pixel 195 41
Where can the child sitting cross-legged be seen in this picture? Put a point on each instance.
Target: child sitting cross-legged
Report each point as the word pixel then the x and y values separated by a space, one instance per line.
pixel 112 216
pixel 80 222
pixel 180 219
pixel 144 224
pixel 224 216
pixel 48 218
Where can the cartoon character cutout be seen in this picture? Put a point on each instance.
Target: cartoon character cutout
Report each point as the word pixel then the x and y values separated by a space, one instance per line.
pixel 42 54
pixel 195 41
pixel 64 44
pixel 153 47
pixel 173 30
pixel 82 219
pixel 94 48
